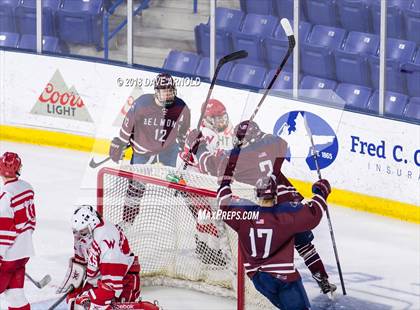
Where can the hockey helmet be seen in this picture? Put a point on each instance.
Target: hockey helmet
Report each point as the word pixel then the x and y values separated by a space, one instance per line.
pixel 215 115
pixel 84 220
pixel 10 165
pixel 247 132
pixel 266 188
pixel 165 90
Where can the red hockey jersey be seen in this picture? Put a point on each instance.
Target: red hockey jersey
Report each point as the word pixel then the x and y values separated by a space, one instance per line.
pixel 17 220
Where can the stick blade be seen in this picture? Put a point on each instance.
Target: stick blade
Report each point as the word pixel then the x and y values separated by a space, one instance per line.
pixel 286 27
pixel 234 56
pixel 45 280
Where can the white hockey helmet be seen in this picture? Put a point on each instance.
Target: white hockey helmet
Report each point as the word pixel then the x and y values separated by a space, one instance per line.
pixel 84 220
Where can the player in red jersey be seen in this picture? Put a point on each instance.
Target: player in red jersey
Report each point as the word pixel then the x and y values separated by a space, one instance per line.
pixel 267 244
pixel 17 223
pixel 103 269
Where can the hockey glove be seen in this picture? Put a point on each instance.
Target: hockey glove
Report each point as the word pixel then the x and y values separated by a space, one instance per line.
pixel 192 143
pixel 321 187
pixel 116 149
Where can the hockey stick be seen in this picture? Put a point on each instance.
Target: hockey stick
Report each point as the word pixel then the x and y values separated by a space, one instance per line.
pixel 228 58
pixel 291 38
pixel 39 284
pixel 318 170
pixel 60 300
pixel 94 164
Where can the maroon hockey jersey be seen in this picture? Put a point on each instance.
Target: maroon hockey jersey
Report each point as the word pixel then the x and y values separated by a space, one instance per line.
pixel 267 244
pixel 151 129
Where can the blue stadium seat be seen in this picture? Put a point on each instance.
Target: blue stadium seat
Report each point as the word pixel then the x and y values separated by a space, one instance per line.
pixel 9 39
pixel 412 21
pixel 26 16
pixel 203 69
pixel 351 62
pixel 49 44
pixel 412 109
pixel 7 15
pixel 412 74
pixel 80 21
pixel 354 96
pixel 263 7
pixel 322 12
pixel 398 52
pixel 317 54
pixel 395 22
pixel 283 82
pixel 249 38
pixel 394 103
pixel 248 75
pixel 284 8
pixel 227 21
pixel 275 48
pixel 184 62
pixel 315 87
pixel 355 15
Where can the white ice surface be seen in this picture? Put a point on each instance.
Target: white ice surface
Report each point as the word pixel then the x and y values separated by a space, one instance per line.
pixel 380 257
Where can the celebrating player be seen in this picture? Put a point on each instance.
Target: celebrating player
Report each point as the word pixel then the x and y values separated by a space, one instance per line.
pixel 262 155
pixel 267 244
pixel 103 269
pixel 17 223
pixel 155 126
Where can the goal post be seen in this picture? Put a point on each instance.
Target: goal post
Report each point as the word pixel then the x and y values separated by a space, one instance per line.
pixel 175 247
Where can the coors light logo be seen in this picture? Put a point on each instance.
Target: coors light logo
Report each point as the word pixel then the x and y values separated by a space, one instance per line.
pixel 58 100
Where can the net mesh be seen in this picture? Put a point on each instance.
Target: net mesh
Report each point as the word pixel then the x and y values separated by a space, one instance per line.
pixel 176 247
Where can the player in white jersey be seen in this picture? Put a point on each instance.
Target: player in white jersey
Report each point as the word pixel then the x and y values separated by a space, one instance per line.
pixel 103 269
pixel 17 223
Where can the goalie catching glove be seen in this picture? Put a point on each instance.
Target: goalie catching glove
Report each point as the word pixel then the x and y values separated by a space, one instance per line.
pixel 194 140
pixel 116 149
pixel 76 274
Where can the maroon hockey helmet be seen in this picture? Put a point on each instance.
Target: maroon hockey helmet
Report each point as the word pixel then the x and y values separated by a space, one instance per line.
pixel 10 164
pixel 247 132
pixel 165 89
pixel 266 188
pixel 215 115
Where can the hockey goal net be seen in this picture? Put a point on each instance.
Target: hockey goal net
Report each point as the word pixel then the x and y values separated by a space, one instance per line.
pixel 175 246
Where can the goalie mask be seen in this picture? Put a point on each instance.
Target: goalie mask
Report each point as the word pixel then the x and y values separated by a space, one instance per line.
pixel 247 132
pixel 165 90
pixel 84 220
pixel 215 116
pixel 10 165
pixel 266 188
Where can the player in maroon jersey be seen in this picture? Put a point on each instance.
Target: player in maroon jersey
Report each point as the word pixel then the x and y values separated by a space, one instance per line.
pixel 155 127
pixel 263 154
pixel 267 244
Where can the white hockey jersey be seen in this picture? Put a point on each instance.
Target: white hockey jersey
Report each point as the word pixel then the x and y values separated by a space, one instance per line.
pixel 17 220
pixel 107 255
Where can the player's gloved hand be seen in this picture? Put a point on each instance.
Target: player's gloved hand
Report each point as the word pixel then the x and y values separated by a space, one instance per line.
pixel 71 296
pixel 116 149
pixel 322 187
pixel 83 300
pixel 193 141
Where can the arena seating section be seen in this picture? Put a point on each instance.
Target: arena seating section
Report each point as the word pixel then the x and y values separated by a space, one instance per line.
pixel 339 45
pixel 339 50
pixel 64 21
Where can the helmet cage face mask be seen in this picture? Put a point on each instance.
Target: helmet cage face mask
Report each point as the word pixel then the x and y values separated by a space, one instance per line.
pixel 165 96
pixel 218 122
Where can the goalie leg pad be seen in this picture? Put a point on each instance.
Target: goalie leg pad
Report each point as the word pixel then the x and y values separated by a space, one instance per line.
pixel 16 298
pixel 75 275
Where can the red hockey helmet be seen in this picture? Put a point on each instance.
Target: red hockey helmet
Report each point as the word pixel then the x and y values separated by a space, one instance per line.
pixel 10 164
pixel 215 115
pixel 247 132
pixel 266 188
pixel 165 90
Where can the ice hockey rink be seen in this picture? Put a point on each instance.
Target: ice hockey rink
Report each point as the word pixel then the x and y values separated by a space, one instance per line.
pixel 380 257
